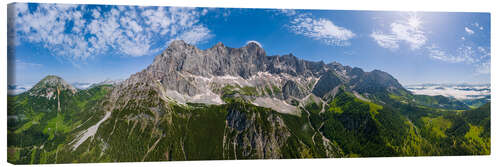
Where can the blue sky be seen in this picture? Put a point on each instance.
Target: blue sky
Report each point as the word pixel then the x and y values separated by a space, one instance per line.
pixel 91 43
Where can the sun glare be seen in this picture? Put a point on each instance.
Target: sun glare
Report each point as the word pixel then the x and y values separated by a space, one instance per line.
pixel 414 21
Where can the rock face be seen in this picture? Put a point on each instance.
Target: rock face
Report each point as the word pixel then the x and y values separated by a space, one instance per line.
pixel 221 61
pixel 292 89
pixel 377 81
pixel 251 138
pixel 326 83
pixel 188 74
pixel 184 74
pixel 221 75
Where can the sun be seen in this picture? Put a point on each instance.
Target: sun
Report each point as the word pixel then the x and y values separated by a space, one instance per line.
pixel 414 21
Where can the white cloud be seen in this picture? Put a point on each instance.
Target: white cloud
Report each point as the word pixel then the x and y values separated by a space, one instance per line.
pixel 21 7
pixel 481 49
pixel 484 52
pixel 464 54
pixel 321 29
pixel 385 40
pixel 204 12
pixel 96 13
pixel 288 12
pixel 478 26
pixel 459 92
pixel 483 68
pixel 414 37
pixel 196 35
pixel 484 65
pixel 408 31
pixel 479 58
pixel 468 54
pixel 132 31
pixel 438 54
pixel 469 31
pixel 255 42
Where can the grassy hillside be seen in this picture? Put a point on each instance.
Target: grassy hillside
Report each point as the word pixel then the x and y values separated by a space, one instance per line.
pixel 151 129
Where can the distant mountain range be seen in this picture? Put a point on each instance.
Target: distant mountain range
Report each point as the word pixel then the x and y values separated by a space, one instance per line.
pixel 238 103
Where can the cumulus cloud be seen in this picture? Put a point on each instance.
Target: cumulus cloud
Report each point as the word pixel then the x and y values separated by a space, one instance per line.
pixel 128 30
pixel 408 31
pixel 321 29
pixel 469 31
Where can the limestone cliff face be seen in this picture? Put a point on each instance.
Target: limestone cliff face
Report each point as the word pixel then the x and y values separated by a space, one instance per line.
pixel 188 74
pixel 159 99
pixel 254 134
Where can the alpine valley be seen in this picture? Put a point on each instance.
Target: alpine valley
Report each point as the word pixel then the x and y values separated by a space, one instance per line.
pixel 227 103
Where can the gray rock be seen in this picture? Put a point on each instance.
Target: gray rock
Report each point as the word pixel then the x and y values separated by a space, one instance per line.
pixel 181 65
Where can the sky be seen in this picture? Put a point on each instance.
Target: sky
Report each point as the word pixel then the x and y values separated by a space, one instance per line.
pixel 92 43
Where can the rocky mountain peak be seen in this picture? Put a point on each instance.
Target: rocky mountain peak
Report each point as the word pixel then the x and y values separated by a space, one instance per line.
pixel 54 81
pixel 254 48
pixel 253 44
pixel 219 44
pixel 187 73
pixel 177 44
pixel 50 86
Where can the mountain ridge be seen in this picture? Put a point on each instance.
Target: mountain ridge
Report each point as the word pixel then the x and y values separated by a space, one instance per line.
pixel 182 67
pixel 238 103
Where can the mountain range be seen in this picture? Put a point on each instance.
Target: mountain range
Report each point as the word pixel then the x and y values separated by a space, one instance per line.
pixel 238 103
